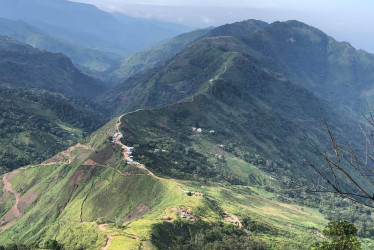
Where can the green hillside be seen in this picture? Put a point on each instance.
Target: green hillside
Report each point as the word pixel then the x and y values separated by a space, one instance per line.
pixel 152 57
pixel 155 56
pixel 36 124
pixel 88 194
pixel 44 103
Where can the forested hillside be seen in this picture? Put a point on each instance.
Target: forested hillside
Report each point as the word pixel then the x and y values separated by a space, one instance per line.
pixel 45 104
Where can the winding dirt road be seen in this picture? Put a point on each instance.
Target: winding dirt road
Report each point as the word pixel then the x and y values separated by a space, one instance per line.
pixel 103 227
pixel 8 219
pixel 8 188
pixel 107 243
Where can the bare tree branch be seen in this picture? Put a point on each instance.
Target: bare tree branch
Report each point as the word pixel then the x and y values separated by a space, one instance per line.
pixel 346 172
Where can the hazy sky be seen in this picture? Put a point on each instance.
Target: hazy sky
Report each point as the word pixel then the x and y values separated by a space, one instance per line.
pixel 348 20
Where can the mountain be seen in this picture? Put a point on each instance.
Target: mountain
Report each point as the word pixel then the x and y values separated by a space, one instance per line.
pixel 24 66
pixel 335 71
pixel 211 157
pixel 152 57
pixel 88 26
pixel 155 56
pixel 239 29
pixel 45 104
pixel 90 59
pixel 258 115
pixel 169 67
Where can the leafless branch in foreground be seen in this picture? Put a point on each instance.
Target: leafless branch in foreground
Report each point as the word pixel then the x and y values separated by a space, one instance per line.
pixel 345 171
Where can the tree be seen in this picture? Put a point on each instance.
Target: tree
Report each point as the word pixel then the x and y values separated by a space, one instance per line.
pixel 346 171
pixel 342 235
pixel 53 244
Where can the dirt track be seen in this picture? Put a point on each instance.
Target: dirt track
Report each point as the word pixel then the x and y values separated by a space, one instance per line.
pixel 103 227
pixel 8 219
pixel 107 243
pixel 8 188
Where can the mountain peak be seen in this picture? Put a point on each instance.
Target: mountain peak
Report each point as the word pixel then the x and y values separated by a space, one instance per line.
pixel 239 29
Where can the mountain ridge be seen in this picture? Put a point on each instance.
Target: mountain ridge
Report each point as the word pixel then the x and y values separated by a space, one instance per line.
pixel 86 24
pixel 217 140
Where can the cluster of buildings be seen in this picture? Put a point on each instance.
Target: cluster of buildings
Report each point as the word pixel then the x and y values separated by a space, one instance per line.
pixel 185 215
pixel 129 157
pixel 129 153
pixel 117 136
pixel 200 130
pixel 229 220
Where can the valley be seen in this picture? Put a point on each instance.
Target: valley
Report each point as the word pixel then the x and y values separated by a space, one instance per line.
pixel 136 139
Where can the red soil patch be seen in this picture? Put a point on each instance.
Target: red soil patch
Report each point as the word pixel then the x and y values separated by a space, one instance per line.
pixel 138 212
pixel 80 175
pixel 90 162
pixel 103 227
pixel 233 219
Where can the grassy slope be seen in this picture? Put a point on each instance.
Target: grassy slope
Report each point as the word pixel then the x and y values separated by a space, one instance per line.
pixel 109 197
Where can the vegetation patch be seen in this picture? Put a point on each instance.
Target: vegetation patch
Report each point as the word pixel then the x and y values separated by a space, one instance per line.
pixel 202 235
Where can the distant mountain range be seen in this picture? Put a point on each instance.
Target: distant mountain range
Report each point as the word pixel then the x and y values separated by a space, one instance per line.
pixel 88 26
pixel 84 57
pixel 205 148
